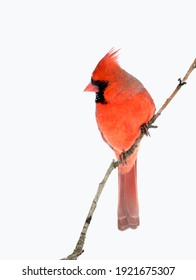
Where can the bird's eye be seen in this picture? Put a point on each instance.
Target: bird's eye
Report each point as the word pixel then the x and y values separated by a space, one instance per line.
pixel 93 82
pixel 100 84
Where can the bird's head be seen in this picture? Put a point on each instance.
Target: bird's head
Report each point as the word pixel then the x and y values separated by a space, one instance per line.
pixel 103 75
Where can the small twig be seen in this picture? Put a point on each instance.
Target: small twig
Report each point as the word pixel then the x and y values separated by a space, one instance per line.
pixel 181 83
pixel 80 244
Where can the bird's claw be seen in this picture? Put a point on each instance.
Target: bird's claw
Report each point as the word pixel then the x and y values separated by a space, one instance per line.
pixel 122 158
pixel 145 128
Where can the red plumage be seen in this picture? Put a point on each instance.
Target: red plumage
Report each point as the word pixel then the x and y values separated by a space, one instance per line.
pixel 123 105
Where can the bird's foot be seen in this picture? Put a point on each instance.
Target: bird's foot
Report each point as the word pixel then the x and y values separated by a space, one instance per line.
pixel 122 158
pixel 145 127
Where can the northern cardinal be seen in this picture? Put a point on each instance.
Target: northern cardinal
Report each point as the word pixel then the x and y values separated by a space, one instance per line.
pixel 123 105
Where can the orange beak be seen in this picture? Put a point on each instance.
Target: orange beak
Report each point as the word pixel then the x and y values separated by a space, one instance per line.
pixel 91 88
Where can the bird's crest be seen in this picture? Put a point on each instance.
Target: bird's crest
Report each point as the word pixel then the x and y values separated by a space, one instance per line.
pixel 106 65
pixel 111 56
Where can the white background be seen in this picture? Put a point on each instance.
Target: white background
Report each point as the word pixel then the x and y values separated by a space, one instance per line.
pixel 52 156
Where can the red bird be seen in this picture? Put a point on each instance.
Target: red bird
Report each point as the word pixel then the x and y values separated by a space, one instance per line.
pixel 123 105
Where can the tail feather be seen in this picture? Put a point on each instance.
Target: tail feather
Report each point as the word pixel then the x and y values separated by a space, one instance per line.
pixel 128 207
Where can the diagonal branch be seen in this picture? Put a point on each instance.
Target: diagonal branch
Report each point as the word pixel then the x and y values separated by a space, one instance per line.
pixel 80 244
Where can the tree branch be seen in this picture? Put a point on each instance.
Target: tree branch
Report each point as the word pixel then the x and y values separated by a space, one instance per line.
pixel 80 244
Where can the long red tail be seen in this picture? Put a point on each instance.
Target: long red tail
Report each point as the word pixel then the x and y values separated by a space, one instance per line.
pixel 128 207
